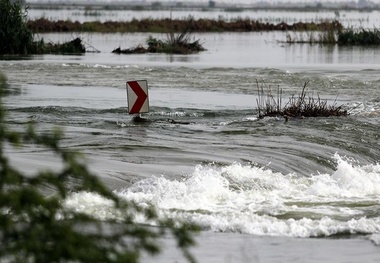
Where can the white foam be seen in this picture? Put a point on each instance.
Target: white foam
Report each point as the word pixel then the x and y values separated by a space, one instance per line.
pixel 357 181
pixel 90 203
pixel 375 238
pixel 366 108
pixel 254 200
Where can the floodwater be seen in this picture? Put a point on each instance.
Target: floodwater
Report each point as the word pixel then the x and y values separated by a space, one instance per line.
pixel 262 190
pixel 363 19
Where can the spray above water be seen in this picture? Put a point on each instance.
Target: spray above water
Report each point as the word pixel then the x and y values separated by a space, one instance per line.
pixel 255 200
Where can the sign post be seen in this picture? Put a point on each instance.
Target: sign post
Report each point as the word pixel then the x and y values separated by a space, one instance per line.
pixel 137 96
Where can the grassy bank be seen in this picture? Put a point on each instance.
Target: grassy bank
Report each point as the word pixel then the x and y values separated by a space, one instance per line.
pixel 43 25
pixel 361 37
pixel 344 37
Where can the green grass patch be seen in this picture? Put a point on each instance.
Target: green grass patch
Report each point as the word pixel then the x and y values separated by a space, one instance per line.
pixel 361 37
pixel 344 37
pixel 174 44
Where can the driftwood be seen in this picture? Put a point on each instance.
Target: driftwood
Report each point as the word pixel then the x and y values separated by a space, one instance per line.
pixel 137 50
pixel 300 106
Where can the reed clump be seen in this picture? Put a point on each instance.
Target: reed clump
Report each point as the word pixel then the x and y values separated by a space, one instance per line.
pixel 328 37
pixel 174 44
pixel 74 46
pixel 361 37
pixel 301 106
pixel 343 37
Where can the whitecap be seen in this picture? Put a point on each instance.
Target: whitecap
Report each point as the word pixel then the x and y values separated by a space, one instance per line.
pixel 256 200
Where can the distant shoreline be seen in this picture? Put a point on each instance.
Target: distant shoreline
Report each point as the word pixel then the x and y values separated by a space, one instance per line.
pixel 167 25
pixel 199 7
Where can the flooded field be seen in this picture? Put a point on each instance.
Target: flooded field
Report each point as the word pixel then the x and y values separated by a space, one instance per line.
pixel 262 190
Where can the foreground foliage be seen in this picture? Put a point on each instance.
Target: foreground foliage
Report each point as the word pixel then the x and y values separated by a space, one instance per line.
pixel 36 228
pixel 301 106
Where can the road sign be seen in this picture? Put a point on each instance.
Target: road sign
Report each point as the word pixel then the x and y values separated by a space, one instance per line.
pixel 137 96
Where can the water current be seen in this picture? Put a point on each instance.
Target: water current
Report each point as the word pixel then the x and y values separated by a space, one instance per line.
pixel 219 166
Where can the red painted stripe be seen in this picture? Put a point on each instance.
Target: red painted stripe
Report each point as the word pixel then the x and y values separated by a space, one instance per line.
pixel 141 97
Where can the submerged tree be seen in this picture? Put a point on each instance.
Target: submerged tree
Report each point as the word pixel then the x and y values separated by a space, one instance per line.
pixel 37 228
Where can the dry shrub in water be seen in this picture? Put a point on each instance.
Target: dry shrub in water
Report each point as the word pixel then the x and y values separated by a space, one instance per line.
pixel 270 105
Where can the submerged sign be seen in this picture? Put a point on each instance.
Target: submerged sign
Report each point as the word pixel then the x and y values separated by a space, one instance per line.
pixel 137 96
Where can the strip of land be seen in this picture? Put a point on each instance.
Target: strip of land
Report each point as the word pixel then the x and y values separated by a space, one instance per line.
pixel 43 25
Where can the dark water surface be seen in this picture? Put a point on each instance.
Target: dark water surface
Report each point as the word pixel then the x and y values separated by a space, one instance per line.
pixel 262 183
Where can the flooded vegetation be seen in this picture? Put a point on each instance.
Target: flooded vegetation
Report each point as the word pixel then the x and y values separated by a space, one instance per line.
pixel 301 106
pixel 344 37
pixel 166 25
pixel 74 46
pixel 174 44
pixel 362 37
pixel 327 31
pixel 207 156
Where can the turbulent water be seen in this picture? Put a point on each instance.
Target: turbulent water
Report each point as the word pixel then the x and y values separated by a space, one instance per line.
pixel 219 166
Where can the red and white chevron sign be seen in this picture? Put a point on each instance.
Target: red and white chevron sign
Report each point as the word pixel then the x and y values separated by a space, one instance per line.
pixel 137 96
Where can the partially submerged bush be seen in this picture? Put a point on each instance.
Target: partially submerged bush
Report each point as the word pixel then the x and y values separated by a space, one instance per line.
pixel 74 46
pixel 180 44
pixel 300 106
pixel 359 37
pixel 174 44
pixel 343 37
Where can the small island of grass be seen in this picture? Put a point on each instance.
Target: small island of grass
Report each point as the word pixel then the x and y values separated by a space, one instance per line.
pixel 343 37
pixel 301 106
pixel 174 44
